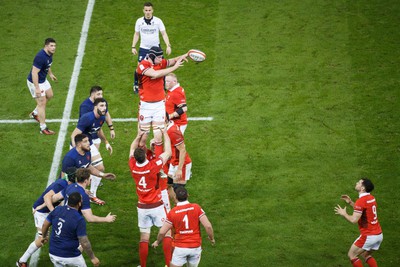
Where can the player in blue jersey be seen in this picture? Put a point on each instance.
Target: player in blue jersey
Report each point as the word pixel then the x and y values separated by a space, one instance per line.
pixel 82 181
pixel 90 124
pixel 68 231
pixel 80 157
pixel 40 212
pixel 38 84
pixel 88 106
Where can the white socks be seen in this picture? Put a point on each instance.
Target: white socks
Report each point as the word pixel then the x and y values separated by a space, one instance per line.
pixel 94 184
pixel 28 253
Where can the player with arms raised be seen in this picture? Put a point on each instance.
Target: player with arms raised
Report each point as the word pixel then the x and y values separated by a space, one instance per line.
pixel 365 214
pixel 150 206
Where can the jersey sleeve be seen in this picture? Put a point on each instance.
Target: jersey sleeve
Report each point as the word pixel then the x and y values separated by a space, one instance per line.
pixel 39 61
pixel 49 217
pixel 81 228
pixel 176 138
pixel 161 26
pixel 137 25
pixel 359 206
pixel 85 201
pixel 59 186
pixel 66 163
pixel 142 67
pixel 83 123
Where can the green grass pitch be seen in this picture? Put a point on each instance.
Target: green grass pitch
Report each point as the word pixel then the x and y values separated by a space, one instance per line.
pixel 305 101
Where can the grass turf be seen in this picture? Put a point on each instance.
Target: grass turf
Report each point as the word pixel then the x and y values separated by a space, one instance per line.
pixel 305 101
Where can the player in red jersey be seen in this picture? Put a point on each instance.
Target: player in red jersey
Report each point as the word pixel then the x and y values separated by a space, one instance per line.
pixel 150 206
pixel 365 213
pixel 151 72
pixel 175 104
pixel 180 167
pixel 185 219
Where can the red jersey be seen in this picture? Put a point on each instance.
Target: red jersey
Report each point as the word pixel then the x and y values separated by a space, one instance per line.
pixel 151 90
pixel 368 223
pixel 185 219
pixel 145 176
pixel 175 97
pixel 176 137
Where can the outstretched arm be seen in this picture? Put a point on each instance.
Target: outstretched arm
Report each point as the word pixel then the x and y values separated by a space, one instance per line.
pixel 351 218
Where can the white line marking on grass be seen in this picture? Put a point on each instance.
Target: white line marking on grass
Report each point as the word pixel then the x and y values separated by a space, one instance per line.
pixel 76 120
pixel 68 106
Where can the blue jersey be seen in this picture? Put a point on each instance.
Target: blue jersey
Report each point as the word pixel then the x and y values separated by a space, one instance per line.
pixel 43 62
pixel 90 125
pixel 74 159
pixel 76 188
pixel 67 225
pixel 57 186
pixel 86 107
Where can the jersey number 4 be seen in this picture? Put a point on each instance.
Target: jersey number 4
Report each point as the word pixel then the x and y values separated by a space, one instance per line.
pixel 142 182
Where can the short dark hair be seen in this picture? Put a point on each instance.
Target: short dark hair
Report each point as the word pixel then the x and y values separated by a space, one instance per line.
pixel 99 100
pixel 368 185
pixel 148 4
pixel 181 193
pixel 95 89
pixel 139 155
pixel 79 138
pixel 49 40
pixel 82 174
pixel 70 174
pixel 74 199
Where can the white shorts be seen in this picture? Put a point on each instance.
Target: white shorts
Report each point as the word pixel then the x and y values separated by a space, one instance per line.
pixel 186 171
pixel 70 262
pixel 151 112
pixel 181 256
pixel 39 218
pixel 96 141
pixel 43 88
pixel 94 150
pixel 369 242
pixel 183 128
pixel 149 217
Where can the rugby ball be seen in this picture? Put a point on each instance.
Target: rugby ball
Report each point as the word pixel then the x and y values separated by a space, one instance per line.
pixel 196 55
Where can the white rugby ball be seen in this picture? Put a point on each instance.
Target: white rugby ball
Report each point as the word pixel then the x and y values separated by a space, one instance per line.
pixel 196 55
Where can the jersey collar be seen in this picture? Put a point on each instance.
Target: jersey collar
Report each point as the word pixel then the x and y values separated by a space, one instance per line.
pixel 363 194
pixel 142 164
pixel 173 88
pixel 182 203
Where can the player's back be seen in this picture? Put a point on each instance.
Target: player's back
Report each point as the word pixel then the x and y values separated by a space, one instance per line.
pixel 66 223
pixel 72 188
pixel 185 218
pixel 368 223
pixel 145 177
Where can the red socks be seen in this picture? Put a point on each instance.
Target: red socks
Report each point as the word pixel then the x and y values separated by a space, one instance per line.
pixel 143 252
pixel 356 262
pixel 371 262
pixel 167 247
